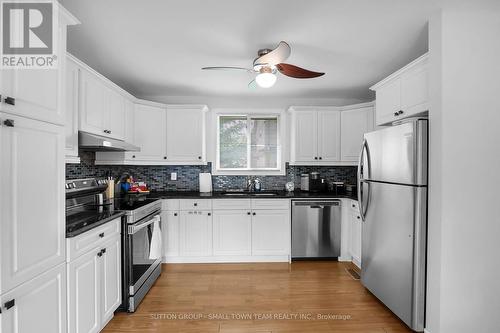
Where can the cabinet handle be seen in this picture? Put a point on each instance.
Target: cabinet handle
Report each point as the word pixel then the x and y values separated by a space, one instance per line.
pixel 8 122
pixel 396 114
pixel 353 206
pixel 199 157
pixel 358 217
pixel 248 213
pixel 175 214
pixel 109 131
pixel 400 112
pixel 101 235
pixel 103 250
pixel 321 158
pixel 254 213
pixel 133 156
pixel 164 157
pixel 10 100
pixel 195 204
pixel 99 254
pixel 10 304
pixel 315 158
pixel 209 214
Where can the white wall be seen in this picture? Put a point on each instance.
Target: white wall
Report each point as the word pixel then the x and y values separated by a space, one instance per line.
pixel 464 221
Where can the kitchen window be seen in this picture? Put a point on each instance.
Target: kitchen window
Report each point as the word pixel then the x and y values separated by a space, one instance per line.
pixel 248 143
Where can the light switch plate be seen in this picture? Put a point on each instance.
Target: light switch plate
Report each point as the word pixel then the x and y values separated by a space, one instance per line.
pixel 173 176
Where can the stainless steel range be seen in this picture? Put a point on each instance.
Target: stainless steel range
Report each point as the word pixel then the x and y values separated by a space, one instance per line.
pixel 142 244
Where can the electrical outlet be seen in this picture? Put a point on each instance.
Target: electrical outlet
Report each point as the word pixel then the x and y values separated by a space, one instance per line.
pixel 173 176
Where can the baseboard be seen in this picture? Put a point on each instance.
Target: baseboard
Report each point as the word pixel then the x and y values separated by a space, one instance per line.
pixel 356 262
pixel 426 330
pixel 225 259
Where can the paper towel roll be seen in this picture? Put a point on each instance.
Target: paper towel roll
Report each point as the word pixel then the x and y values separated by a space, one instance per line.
pixel 205 182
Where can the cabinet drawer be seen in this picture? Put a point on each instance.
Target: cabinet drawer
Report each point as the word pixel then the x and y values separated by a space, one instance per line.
pixel 195 204
pixel 270 204
pixel 170 204
pixel 227 204
pixel 80 244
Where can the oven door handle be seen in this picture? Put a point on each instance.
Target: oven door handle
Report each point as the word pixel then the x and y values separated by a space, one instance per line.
pixel 132 229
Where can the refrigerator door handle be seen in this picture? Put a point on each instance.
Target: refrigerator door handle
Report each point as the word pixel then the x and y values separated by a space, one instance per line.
pixel 361 205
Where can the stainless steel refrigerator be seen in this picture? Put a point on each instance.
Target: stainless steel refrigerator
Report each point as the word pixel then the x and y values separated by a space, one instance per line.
pixel 392 193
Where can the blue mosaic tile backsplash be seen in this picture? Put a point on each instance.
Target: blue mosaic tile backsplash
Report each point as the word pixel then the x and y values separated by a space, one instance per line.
pixel 158 177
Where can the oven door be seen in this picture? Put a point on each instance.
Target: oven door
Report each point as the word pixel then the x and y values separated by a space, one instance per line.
pixel 145 250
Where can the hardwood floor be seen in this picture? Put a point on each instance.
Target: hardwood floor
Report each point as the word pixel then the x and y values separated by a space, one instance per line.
pixel 258 298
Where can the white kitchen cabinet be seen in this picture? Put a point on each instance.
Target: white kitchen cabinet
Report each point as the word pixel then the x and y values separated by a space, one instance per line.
pixel 183 147
pixel 232 231
pixel 315 136
pixel 271 232
pixel 38 305
pixel 404 93
pixel 355 235
pixel 328 136
pixel 111 289
pixel 170 221
pixel 72 93
pixel 149 133
pixel 32 226
pixel 304 141
pixel 84 293
pixel 355 123
pixel 102 108
pixel 94 286
pixel 195 233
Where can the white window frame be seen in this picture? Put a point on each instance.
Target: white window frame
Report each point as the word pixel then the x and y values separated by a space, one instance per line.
pixel 279 171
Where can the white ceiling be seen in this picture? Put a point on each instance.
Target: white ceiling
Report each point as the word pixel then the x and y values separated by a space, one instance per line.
pixel 157 47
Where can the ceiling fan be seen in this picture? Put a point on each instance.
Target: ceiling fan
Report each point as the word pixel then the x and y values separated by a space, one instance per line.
pixel 268 63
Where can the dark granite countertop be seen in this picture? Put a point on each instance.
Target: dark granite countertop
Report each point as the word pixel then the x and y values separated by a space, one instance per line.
pixel 233 195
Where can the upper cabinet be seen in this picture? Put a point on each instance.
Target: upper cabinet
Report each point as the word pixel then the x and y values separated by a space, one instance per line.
pixel 102 109
pixel 184 148
pixel 328 136
pixel 354 124
pixel 166 134
pixel 72 93
pixel 404 93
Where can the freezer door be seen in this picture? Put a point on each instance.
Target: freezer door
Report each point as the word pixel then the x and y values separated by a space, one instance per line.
pixel 393 248
pixel 396 154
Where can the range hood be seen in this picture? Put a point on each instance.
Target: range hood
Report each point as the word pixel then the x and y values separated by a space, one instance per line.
pixel 92 142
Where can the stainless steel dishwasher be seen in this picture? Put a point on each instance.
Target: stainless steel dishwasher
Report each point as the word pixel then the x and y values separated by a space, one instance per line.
pixel 316 226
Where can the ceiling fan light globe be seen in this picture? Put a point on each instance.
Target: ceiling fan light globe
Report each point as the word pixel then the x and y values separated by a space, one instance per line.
pixel 266 80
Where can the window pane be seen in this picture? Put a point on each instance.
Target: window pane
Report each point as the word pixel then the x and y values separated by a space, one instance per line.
pixel 233 142
pixel 264 143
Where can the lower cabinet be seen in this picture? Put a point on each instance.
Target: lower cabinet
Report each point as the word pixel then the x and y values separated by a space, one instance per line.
pixel 270 232
pixel 38 305
pixel 195 233
pixel 232 232
pixel 94 287
pixel 355 237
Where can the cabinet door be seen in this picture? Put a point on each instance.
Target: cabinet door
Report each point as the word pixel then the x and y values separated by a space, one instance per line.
pixel 32 226
pixel 149 133
pixel 183 147
pixel 84 293
pixel 328 136
pixel 196 234
pixel 388 101
pixel 355 237
pixel 170 220
pixel 71 93
pixel 414 90
pixel 92 104
pixel 39 305
pixel 115 122
pixel 232 232
pixel 305 138
pixel 354 124
pixel 36 93
pixel 271 232
pixel 111 281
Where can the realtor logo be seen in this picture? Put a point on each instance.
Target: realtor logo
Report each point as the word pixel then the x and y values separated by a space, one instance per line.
pixel 28 34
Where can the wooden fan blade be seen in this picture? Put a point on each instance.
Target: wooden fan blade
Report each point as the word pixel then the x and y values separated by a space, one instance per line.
pixel 276 56
pixel 228 68
pixel 297 72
